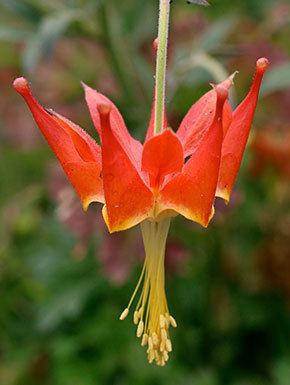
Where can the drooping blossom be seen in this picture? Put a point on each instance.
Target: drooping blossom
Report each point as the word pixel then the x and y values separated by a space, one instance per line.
pixel 171 173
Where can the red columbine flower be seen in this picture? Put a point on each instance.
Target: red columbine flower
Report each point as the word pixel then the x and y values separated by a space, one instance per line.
pixel 172 173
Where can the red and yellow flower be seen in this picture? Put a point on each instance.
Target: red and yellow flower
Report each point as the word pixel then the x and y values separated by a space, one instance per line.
pixel 171 174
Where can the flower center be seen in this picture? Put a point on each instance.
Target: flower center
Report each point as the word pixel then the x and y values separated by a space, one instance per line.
pixel 152 316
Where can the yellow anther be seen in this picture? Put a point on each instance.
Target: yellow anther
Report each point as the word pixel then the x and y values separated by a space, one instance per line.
pixel 165 356
pixel 150 343
pixel 172 322
pixel 162 346
pixel 140 312
pixel 124 314
pixel 136 317
pixel 155 339
pixel 144 339
pixel 168 345
pixel 163 334
pixel 151 356
pixel 140 329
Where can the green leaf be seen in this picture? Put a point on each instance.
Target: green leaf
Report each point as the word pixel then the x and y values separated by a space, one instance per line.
pixel 215 35
pixel 277 79
pixel 50 30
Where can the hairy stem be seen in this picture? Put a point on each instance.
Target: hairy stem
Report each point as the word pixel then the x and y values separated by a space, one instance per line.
pixel 164 11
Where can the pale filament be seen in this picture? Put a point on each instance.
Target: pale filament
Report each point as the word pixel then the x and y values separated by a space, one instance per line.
pixel 151 315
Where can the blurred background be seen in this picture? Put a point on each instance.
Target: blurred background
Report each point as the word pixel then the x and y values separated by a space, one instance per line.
pixel 63 279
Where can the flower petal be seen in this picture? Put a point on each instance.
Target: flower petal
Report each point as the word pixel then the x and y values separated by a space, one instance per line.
pixel 78 153
pixel 227 117
pixel 191 193
pixel 162 155
pixel 237 135
pixel 128 200
pixel 200 117
pixel 132 146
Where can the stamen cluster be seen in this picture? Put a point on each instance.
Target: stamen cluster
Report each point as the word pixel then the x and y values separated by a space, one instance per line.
pixel 152 316
pixel 158 341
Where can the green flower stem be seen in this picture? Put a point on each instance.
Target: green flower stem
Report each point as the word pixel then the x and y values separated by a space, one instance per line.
pixel 164 11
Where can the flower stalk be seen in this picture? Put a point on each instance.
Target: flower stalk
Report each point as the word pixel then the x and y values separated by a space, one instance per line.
pixel 160 76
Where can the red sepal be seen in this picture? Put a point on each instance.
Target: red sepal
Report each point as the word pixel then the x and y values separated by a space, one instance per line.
pixel 78 153
pixel 131 146
pixel 128 200
pixel 200 116
pixel 237 134
pixel 191 193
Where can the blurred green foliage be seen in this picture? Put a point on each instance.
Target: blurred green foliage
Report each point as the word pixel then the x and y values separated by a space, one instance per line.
pixel 59 305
